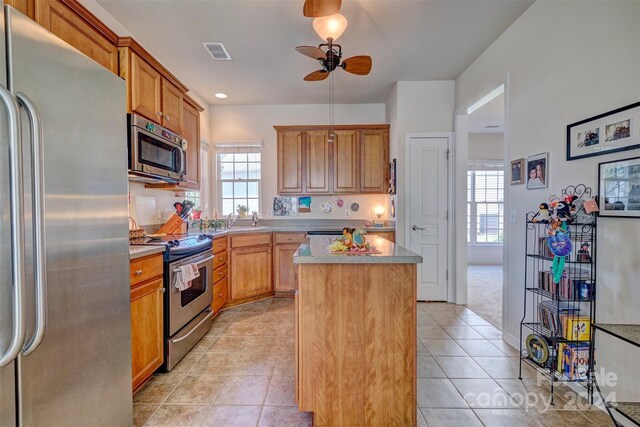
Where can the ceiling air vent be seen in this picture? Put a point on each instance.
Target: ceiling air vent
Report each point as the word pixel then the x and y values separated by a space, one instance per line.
pixel 217 51
pixel 492 127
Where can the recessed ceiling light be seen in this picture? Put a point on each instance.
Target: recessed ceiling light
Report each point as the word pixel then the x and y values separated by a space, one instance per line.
pixel 221 95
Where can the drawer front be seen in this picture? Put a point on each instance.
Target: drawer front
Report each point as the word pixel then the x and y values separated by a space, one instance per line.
pixel 145 268
pixel 245 240
pixel 220 245
pixel 220 273
pixel 220 258
pixel 290 237
pixel 220 294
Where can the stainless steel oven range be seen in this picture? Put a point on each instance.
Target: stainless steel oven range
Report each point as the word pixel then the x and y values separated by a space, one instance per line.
pixel 188 314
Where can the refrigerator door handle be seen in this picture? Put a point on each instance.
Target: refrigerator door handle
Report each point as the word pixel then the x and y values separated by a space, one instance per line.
pixel 17 224
pixel 37 179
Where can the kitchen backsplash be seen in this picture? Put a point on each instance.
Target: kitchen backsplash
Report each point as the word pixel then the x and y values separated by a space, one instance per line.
pixel 150 206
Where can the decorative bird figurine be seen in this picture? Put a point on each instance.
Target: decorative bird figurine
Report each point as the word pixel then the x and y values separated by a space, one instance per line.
pixel 358 238
pixel 347 236
pixel 542 215
pixel 563 211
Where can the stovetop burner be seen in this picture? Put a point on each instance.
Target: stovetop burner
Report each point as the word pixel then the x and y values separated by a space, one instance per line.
pixel 179 244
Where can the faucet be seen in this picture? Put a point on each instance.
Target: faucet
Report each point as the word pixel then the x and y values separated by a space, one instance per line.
pixel 254 219
pixel 231 219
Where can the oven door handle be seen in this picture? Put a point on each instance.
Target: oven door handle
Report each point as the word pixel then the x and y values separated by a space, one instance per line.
pixel 207 317
pixel 202 261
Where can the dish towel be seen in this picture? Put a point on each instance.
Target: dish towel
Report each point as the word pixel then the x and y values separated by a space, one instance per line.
pixel 184 275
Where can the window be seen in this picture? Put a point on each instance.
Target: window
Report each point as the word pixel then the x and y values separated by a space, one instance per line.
pixel 485 204
pixel 239 178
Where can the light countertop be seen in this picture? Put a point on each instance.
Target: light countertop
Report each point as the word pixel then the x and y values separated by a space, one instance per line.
pixel 315 251
pixel 139 251
pixel 282 229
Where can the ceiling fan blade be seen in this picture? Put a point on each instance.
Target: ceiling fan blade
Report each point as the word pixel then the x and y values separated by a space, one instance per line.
pixel 312 52
pixel 360 65
pixel 316 76
pixel 318 8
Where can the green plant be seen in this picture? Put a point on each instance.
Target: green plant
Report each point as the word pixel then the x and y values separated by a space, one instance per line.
pixel 242 209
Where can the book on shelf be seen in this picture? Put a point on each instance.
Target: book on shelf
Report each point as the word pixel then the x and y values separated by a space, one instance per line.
pixel 576 328
pixel 581 255
pixel 575 284
pixel 573 361
pixel 550 314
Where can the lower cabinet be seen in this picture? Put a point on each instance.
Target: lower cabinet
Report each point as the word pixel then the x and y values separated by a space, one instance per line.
pixel 250 271
pixel 285 273
pixel 147 349
pixel 220 294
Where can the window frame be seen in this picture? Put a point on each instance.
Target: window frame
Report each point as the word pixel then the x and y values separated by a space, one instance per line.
pixel 472 205
pixel 237 149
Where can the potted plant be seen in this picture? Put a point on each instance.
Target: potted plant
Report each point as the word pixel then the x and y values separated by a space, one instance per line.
pixel 242 211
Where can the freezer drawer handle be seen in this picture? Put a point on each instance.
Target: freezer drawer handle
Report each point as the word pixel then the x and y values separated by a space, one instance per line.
pixel 17 224
pixel 37 180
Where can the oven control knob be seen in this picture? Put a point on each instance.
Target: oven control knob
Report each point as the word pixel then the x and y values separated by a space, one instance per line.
pixel 176 243
pixel 170 244
pixel 202 237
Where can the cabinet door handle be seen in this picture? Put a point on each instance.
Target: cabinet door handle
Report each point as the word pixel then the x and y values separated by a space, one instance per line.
pixel 163 290
pixel 290 238
pixel 220 259
pixel 159 114
pixel 220 273
pixel 138 272
pixel 167 117
pixel 220 294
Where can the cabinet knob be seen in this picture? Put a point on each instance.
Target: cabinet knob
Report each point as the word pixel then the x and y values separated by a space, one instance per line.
pixel 220 259
pixel 163 290
pixel 220 294
pixel 168 118
pixel 290 238
pixel 138 272
pixel 220 273
pixel 159 113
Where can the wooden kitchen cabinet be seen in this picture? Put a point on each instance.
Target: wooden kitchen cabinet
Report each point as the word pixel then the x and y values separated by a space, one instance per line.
pixel 290 162
pixel 356 162
pixel 374 161
pixel 317 162
pixel 27 7
pixel 345 162
pixel 284 269
pixel 147 343
pixel 250 271
pixel 172 107
pixel 145 89
pixel 191 132
pixel 220 273
pixel 74 24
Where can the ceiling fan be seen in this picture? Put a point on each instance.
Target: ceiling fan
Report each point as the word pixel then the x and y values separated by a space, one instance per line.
pixel 332 59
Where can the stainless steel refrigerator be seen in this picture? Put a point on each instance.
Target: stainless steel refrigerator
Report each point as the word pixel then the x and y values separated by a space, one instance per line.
pixel 65 350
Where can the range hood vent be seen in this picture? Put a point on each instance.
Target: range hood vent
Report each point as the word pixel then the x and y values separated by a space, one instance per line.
pixel 217 51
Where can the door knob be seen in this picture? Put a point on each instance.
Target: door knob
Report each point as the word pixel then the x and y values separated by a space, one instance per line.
pixel 416 228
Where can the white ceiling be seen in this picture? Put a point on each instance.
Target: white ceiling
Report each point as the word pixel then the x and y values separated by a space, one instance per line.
pixel 408 40
pixel 490 114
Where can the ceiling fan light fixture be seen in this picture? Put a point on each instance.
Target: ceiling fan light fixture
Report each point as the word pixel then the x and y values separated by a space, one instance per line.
pixel 330 27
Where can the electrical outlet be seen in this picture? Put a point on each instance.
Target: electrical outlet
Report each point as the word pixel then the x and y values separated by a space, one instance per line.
pixel 347 213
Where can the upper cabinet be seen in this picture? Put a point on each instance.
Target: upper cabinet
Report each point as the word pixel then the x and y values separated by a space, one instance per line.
pixel 290 162
pixel 191 127
pixel 71 22
pixel 356 162
pixel 374 161
pixel 145 89
pixel 172 107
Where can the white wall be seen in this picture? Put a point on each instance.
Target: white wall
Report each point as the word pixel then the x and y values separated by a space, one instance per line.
pixel 558 73
pixel 425 106
pixel 255 123
pixel 486 146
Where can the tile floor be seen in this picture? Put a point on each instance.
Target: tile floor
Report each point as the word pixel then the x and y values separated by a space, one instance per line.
pixel 241 374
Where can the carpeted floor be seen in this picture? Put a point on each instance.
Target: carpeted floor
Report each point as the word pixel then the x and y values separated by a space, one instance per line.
pixel 485 292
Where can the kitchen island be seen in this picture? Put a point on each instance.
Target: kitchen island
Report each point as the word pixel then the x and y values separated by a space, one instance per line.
pixel 356 334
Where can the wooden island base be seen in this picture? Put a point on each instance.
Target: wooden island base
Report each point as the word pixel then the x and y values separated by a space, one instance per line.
pixel 356 344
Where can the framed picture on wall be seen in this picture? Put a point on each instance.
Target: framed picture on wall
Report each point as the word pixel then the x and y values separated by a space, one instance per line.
pixel 619 188
pixel 537 171
pixel 616 130
pixel 517 171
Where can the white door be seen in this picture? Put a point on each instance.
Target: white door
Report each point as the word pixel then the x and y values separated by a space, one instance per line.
pixel 428 204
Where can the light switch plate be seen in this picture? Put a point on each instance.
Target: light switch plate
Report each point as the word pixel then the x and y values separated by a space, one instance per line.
pixel 512 216
pixel 347 213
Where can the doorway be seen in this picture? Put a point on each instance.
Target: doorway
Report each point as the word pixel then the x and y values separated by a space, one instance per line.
pixel 427 204
pixel 486 172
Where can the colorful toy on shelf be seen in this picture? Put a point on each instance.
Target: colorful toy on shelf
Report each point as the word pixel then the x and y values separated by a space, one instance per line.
pixel 352 241
pixel 542 215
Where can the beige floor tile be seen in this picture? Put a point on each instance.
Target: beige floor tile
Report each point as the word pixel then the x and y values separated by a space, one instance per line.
pixel 217 329
pixel 447 320
pixel 531 395
pixel 142 412
pixel 284 364
pixel 438 393
pixel 480 348
pixel 241 329
pixel 428 368
pixel 502 367
pixel 599 418
pixel 450 417
pixel 277 317
pixel 432 332
pixel 234 364
pixel 505 348
pixel 201 389
pixel 507 418
pixel 484 393
pixel 156 390
pixel 420 419
pixel 443 348
pixel 184 365
pixel 423 319
pixel 232 416
pixel 284 416
pixel 474 320
pixel 281 391
pixel 421 349
pixel 557 418
pixel 230 344
pixel 462 332
pixel 178 415
pixel 460 367
pixel 203 345
pixel 256 307
pixel 226 316
pixel 284 329
pixel 243 390
pixel 489 332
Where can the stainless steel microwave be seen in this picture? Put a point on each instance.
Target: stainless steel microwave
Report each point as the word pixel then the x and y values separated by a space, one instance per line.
pixel 154 151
